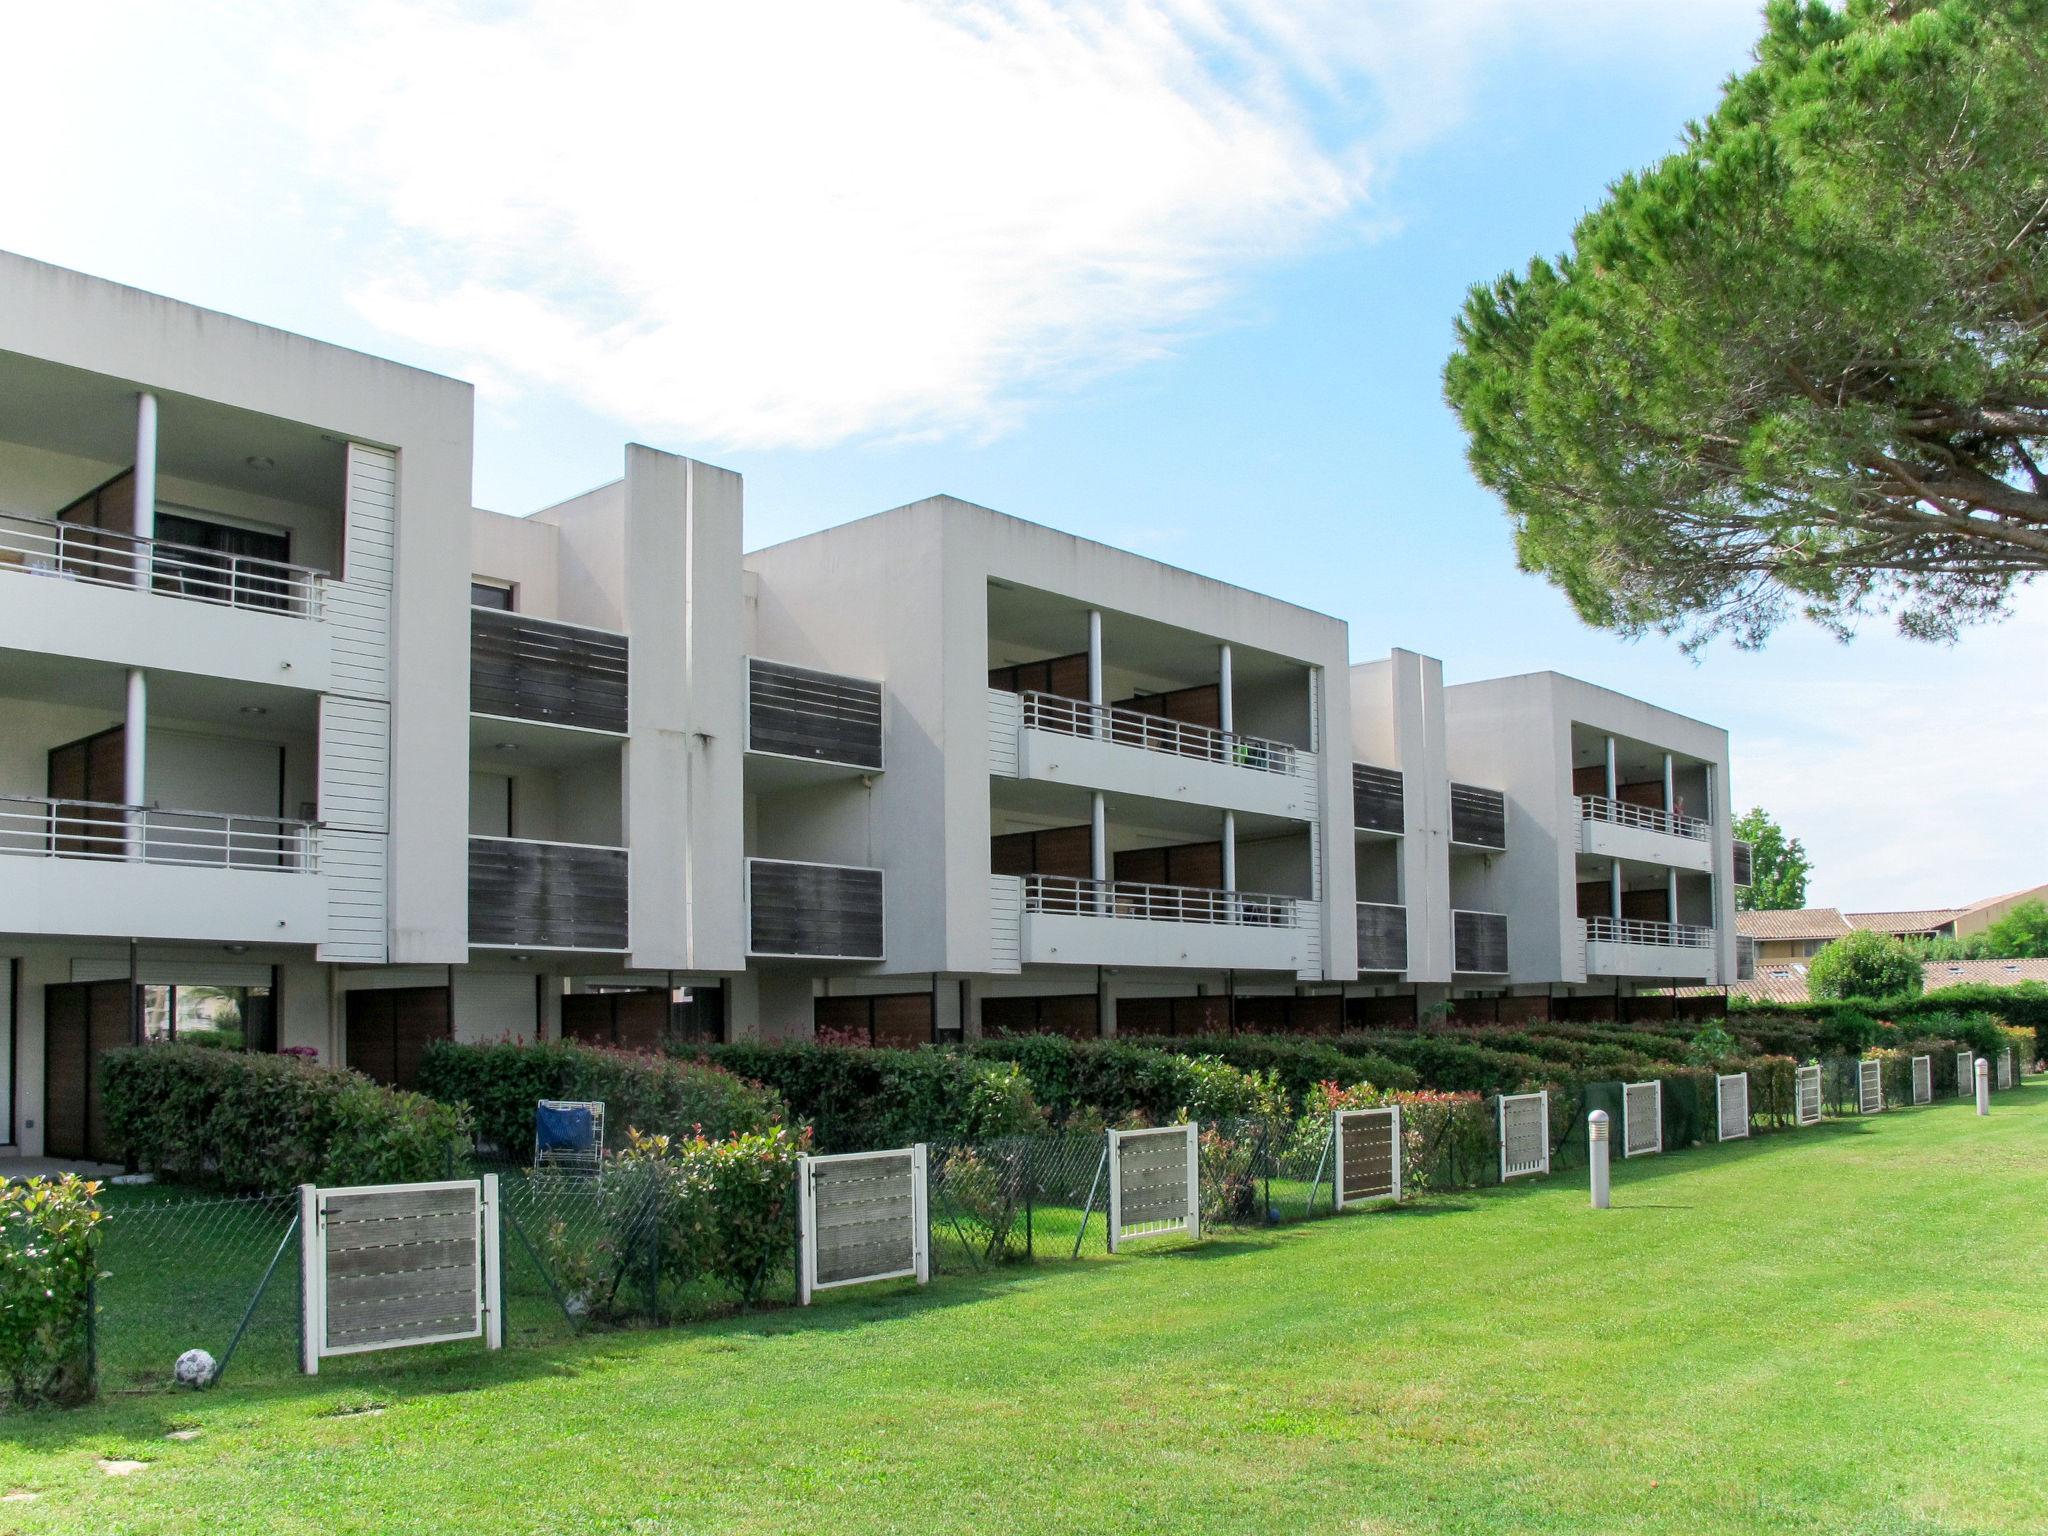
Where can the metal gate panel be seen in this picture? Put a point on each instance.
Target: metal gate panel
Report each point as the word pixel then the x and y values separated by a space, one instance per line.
pixel 1869 1086
pixel 1524 1122
pixel 1806 1082
pixel 1155 1183
pixel 1368 1149
pixel 1732 1094
pixel 386 1266
pixel 864 1216
pixel 1966 1074
pixel 2005 1067
pixel 1923 1079
pixel 1642 1119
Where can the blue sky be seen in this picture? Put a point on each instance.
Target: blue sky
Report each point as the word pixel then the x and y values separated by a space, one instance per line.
pixel 1175 274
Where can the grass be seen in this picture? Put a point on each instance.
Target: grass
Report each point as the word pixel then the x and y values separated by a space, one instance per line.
pixel 1830 1330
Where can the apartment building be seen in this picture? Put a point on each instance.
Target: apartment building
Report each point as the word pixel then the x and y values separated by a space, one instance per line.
pixel 301 750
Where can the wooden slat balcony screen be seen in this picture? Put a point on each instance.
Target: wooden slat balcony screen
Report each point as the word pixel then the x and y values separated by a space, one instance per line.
pixel 1382 937
pixel 1479 817
pixel 1063 675
pixel 1377 798
pixel 537 669
pixel 547 895
pixel 817 911
pixel 1744 864
pixel 1479 943
pixel 799 712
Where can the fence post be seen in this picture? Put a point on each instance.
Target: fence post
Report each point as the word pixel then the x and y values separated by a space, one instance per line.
pixel 1596 1157
pixel 311 1290
pixel 1983 1086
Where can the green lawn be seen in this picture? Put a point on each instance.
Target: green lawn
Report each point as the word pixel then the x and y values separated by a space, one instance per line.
pixel 1839 1329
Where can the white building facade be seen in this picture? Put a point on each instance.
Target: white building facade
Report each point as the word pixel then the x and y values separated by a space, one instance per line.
pixel 299 750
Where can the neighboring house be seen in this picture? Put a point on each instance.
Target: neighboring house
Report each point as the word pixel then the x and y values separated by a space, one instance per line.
pixel 1799 934
pixel 1980 915
pixel 303 750
pixel 1938 974
pixel 1932 923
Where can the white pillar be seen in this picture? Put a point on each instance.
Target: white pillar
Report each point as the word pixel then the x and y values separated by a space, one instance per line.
pixel 1614 891
pixel 145 478
pixel 1226 705
pixel 1098 838
pixel 1612 785
pixel 134 754
pixel 1095 657
pixel 1597 1150
pixel 1672 903
pixel 1230 850
pixel 1670 797
pixel 1983 1086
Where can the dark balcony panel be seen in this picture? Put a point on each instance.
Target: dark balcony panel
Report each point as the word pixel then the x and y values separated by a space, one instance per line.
pixel 796 712
pixel 1479 817
pixel 1382 937
pixel 1745 864
pixel 548 895
pixel 1479 943
pixel 1376 799
pixel 536 669
pixel 820 911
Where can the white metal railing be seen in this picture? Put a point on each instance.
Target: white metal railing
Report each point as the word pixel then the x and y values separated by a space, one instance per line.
pixel 1637 930
pixel 40 546
pixel 1622 814
pixel 1156 733
pixel 149 834
pixel 1066 895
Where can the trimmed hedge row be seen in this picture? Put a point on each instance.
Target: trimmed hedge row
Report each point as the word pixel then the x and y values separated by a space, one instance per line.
pixel 2024 1007
pixel 501 1081
pixel 246 1121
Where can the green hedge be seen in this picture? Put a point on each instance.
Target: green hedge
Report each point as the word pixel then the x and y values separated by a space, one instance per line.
pixel 246 1121
pixel 500 1083
pixel 1300 1066
pixel 2024 1007
pixel 50 1231
pixel 856 1099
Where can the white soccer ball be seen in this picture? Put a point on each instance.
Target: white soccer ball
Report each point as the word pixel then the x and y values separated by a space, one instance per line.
pixel 195 1368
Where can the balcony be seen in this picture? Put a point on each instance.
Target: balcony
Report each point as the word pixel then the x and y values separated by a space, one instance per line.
pixel 1479 943
pixel 1382 936
pixel 526 894
pixel 1630 946
pixel 813 718
pixel 1068 921
pixel 1377 800
pixel 107 557
pixel 523 668
pixel 814 911
pixel 1479 818
pixel 1618 829
pixel 1744 865
pixel 1059 740
pixel 94 867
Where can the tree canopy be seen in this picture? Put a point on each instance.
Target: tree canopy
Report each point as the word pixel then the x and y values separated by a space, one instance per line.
pixel 2022 934
pixel 1778 865
pixel 1863 964
pixel 1801 365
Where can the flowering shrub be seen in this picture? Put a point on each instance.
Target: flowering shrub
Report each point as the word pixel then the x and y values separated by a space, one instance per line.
pixel 49 1258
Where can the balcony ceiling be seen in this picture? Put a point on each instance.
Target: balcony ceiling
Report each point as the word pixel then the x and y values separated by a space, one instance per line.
pixel 68 410
pixel 174 697
pixel 495 742
pixel 1035 803
pixel 1635 761
pixel 1026 624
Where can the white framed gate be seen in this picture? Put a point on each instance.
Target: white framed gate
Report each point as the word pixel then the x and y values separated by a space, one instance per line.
pixel 2005 1067
pixel 1155 1183
pixel 1642 1118
pixel 1806 1095
pixel 1966 1074
pixel 1524 1120
pixel 386 1266
pixel 1869 1086
pixel 1731 1102
pixel 1367 1143
pixel 1923 1079
pixel 862 1216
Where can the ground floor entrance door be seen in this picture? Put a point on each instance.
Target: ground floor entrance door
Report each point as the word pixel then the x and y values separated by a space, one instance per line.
pixel 82 1021
pixel 390 1028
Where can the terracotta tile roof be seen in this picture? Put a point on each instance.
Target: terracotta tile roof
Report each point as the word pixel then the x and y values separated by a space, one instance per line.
pixel 1917 920
pixel 1805 923
pixel 1937 974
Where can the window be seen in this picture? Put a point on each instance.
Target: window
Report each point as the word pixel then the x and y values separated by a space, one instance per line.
pixel 206 566
pixel 490 594
pixel 228 1018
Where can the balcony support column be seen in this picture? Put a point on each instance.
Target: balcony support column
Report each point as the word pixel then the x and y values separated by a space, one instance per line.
pixel 1670 783
pixel 1614 891
pixel 1098 847
pixel 134 755
pixel 1097 725
pixel 1671 903
pixel 1226 704
pixel 1612 777
pixel 145 482
pixel 1230 850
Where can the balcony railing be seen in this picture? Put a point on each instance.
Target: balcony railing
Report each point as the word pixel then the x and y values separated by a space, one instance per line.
pixel 1651 819
pixel 149 834
pixel 1382 936
pixel 1638 930
pixel 814 911
pixel 1479 943
pixel 1377 799
pixel 106 557
pixel 1744 862
pixel 1065 895
pixel 528 894
pixel 1157 733
pixel 525 668
pixel 1479 817
pixel 819 716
